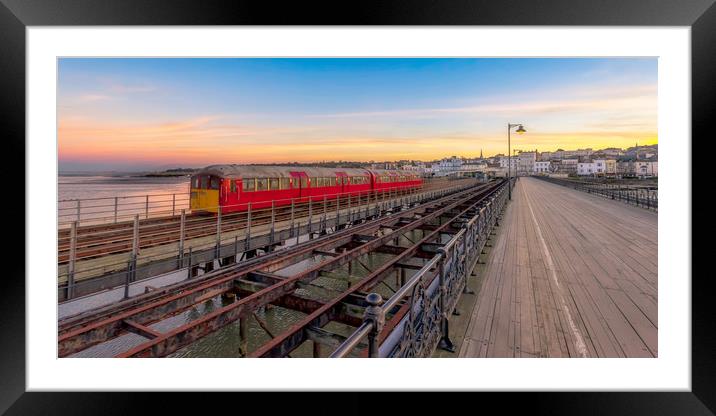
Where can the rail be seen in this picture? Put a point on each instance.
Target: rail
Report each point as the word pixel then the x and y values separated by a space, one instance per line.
pixel 433 293
pixel 647 198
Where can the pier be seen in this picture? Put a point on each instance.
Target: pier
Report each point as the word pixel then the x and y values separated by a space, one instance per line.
pixel 570 274
pixel 555 272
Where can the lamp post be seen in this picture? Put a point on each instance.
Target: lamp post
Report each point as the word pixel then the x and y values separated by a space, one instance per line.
pixel 520 130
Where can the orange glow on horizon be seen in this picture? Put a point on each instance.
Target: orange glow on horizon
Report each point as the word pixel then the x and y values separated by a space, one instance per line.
pixel 199 142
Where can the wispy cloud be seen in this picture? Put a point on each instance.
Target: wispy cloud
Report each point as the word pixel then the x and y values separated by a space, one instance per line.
pixel 90 98
pixel 583 99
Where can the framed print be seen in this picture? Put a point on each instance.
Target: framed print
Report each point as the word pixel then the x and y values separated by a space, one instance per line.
pixel 466 186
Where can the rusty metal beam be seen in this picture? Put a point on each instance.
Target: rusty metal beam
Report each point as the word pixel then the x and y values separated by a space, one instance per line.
pixel 142 330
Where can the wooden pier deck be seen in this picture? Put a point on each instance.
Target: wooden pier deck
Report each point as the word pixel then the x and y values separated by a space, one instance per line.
pixel 569 275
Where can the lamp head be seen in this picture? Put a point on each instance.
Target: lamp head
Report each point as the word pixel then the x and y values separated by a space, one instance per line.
pixel 520 129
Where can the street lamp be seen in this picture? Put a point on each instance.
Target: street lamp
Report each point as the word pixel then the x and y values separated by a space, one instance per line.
pixel 520 130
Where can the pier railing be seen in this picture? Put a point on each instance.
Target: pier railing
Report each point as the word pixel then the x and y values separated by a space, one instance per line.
pixel 639 196
pixel 92 259
pixel 118 209
pixel 420 309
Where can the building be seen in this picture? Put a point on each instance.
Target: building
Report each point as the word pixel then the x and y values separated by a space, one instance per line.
pixel 586 168
pixel 610 167
pixel 646 168
pixel 567 166
pixel 639 168
pixel 526 162
pixel 450 164
pixel 542 167
pixel 503 160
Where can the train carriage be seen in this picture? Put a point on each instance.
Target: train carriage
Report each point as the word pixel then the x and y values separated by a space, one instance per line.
pixel 236 187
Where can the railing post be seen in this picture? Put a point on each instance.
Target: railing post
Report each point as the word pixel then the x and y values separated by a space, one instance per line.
pixel 445 342
pixel 273 219
pixel 350 214
pixel 174 203
pixel 374 313
pixel 325 212
pixel 310 218
pixel 127 279
pixel 71 265
pixel 293 207
pixel 338 211
pixel 135 247
pixel 78 210
pixel 218 232
pixel 116 204
pixel 182 231
pixel 191 255
pixel 146 208
pixel 248 227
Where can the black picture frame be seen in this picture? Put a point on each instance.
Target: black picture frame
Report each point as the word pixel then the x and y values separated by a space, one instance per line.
pixel 16 15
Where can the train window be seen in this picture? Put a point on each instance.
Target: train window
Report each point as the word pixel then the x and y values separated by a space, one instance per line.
pixel 214 182
pixel 249 184
pixel 204 182
pixel 233 186
pixel 285 183
pixel 304 182
pixel 273 184
pixel 331 181
pixel 195 182
pixel 262 184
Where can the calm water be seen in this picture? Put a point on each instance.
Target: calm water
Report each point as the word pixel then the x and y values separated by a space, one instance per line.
pixel 85 187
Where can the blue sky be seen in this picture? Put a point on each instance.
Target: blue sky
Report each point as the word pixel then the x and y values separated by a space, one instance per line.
pixel 139 113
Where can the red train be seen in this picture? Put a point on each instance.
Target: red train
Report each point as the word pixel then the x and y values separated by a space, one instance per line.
pixel 233 187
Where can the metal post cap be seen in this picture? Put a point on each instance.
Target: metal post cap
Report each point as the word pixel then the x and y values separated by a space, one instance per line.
pixel 374 299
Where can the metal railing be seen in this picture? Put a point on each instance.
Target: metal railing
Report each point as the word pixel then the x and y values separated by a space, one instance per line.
pixel 432 294
pixel 636 195
pixel 145 249
pixel 119 208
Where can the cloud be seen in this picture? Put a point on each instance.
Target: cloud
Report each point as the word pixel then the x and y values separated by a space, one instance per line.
pixel 590 99
pixel 90 98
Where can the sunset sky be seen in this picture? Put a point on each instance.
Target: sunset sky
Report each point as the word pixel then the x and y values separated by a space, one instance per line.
pixel 135 114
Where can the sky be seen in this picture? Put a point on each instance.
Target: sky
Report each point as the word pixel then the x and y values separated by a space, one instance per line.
pixel 140 113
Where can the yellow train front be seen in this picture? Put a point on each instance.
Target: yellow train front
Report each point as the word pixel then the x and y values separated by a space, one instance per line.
pixel 205 190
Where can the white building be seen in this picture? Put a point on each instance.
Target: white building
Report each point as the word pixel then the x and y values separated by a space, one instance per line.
pixel 542 167
pixel 586 168
pixel 450 164
pixel 646 168
pixel 526 164
pixel 597 167
pixel 513 162
pixel 600 166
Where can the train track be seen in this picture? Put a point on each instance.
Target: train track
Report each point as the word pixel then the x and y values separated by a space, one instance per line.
pixel 255 284
pixel 100 240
